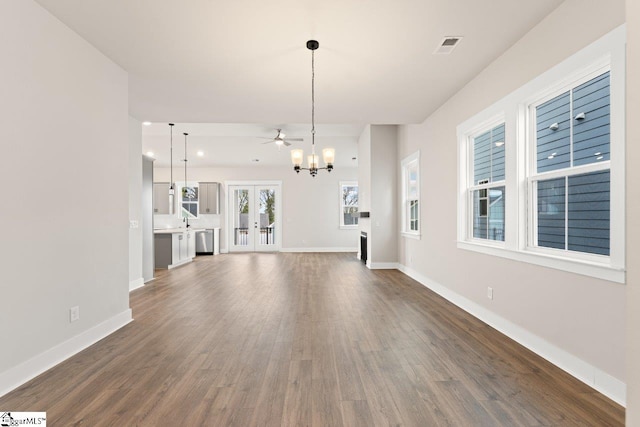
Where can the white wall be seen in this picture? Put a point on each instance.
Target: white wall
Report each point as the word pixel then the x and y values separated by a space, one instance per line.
pixel 135 203
pixel 364 182
pixel 311 206
pixel 384 178
pixel 64 122
pixel 576 318
pixel 633 213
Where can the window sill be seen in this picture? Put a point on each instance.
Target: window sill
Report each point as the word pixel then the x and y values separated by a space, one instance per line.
pixel 586 268
pixel 348 227
pixel 415 236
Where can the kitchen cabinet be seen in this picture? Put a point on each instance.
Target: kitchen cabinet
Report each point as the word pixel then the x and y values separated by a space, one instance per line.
pixel 209 198
pixel 161 198
pixel 191 244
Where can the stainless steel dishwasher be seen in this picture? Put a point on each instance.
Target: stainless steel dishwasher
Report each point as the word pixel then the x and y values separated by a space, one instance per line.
pixel 204 242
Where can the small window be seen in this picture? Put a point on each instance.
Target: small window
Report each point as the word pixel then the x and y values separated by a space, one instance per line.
pixel 411 195
pixel 189 202
pixel 349 204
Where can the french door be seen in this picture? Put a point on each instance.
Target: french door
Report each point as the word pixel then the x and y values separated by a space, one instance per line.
pixel 254 218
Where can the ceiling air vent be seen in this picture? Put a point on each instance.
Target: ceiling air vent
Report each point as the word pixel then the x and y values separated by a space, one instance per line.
pixel 447 45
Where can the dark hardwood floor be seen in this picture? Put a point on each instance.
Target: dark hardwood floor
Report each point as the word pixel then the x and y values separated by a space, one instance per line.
pixel 305 340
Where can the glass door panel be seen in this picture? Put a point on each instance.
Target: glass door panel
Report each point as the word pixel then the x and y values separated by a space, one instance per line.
pixel 255 219
pixel 265 221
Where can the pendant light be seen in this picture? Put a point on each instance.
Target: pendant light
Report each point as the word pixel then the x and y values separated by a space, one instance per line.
pixel 171 186
pixel 328 154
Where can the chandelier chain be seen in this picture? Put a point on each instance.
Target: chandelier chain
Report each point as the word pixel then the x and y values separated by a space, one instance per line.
pixel 313 103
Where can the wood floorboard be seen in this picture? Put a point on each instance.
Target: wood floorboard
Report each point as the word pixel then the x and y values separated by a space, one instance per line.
pixel 312 339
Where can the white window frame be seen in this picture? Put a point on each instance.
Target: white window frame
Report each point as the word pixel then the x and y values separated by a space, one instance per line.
pixel 606 53
pixel 533 176
pixel 343 184
pixel 406 165
pixel 470 186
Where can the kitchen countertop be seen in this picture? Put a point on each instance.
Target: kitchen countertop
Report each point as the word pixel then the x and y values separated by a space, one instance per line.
pixel 175 230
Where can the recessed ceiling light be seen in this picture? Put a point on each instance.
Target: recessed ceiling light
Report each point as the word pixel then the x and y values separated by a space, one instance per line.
pixel 150 153
pixel 200 153
pixel 146 123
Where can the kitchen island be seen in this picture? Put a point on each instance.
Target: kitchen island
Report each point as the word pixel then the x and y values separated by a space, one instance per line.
pixel 174 246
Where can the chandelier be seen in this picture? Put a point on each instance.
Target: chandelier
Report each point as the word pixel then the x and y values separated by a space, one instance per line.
pixel 328 154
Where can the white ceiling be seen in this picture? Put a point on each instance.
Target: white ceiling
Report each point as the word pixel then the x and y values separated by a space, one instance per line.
pixel 245 61
pixel 242 144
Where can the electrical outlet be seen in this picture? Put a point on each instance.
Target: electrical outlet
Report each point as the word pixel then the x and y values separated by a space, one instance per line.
pixel 74 313
pixel 490 292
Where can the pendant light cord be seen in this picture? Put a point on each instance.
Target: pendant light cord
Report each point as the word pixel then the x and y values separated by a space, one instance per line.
pixel 171 154
pixel 185 160
pixel 313 105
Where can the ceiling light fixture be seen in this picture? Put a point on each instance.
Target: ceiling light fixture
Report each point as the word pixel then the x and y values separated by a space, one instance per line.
pixel 171 186
pixel 150 153
pixel 146 123
pixel 200 153
pixel 328 154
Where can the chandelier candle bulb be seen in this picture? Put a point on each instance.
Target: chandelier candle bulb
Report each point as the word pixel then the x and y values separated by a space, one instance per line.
pixel 329 155
pixel 297 156
pixel 313 161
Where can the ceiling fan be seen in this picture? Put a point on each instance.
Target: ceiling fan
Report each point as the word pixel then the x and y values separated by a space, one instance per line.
pixel 280 139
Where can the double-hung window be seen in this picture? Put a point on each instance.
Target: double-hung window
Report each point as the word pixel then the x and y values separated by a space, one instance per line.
pixel 486 190
pixel 411 196
pixel 348 204
pixel 556 147
pixel 570 180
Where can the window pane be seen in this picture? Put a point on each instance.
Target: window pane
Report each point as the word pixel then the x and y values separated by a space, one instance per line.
pixel 488 156
pixel 349 196
pixel 482 157
pixel 591 134
pixel 413 215
pixel 551 213
pixel 488 213
pixel 588 222
pixel 412 181
pixel 553 130
pixel 350 215
pixel 497 153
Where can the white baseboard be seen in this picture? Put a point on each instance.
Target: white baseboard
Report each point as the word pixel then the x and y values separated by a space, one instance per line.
pixel 179 263
pixel 599 380
pixel 18 375
pixel 135 284
pixel 383 265
pixel 319 250
pixel 224 251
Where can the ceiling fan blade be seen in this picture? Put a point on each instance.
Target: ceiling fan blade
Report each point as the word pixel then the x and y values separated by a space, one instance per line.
pixel 286 144
pixel 268 142
pixel 294 139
